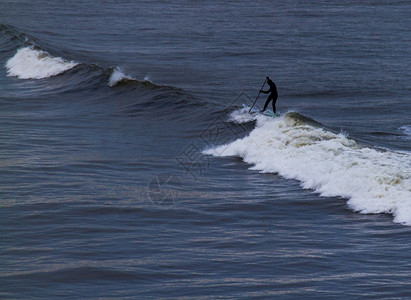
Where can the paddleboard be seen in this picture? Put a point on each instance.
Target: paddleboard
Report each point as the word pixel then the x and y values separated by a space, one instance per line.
pixel 255 111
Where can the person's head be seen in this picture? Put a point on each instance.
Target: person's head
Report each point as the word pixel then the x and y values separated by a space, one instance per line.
pixel 268 78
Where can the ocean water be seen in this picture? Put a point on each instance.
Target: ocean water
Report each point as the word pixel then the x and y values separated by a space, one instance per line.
pixel 131 167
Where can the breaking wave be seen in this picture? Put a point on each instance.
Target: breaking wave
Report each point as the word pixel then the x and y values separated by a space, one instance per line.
pixel 296 147
pixel 30 63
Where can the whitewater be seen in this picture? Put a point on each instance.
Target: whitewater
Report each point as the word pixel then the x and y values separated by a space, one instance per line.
pixel 30 63
pixel 332 164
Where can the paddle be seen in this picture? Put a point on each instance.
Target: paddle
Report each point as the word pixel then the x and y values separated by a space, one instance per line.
pixel 258 95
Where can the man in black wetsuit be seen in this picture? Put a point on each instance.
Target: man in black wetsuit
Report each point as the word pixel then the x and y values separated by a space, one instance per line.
pixel 273 96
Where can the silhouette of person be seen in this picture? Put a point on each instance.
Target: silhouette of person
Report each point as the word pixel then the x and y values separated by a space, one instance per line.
pixel 273 96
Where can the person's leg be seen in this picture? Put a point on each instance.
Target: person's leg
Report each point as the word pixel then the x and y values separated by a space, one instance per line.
pixel 274 102
pixel 266 103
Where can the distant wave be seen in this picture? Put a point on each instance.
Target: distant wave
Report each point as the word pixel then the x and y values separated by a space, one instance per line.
pixel 32 60
pixel 32 63
pixel 331 164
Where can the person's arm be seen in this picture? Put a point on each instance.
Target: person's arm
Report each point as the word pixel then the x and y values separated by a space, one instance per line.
pixel 265 92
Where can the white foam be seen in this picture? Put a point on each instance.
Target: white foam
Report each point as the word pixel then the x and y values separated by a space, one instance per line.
pixel 116 76
pixel 29 63
pixel 331 164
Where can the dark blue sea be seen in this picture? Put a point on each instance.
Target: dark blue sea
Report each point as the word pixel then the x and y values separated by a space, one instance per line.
pixel 131 167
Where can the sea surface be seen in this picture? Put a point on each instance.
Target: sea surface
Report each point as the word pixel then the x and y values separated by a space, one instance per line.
pixel 131 167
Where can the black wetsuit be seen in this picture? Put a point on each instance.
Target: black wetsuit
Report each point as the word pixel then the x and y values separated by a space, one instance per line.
pixel 273 96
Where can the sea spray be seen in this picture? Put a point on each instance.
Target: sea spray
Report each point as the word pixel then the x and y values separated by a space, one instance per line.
pixel 117 76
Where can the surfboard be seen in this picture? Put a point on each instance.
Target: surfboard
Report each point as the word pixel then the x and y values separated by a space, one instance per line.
pixel 268 113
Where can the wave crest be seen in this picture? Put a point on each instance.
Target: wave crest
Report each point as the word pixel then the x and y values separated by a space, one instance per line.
pixel 30 63
pixel 117 76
